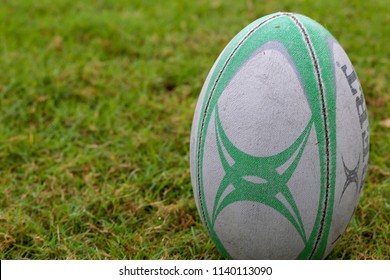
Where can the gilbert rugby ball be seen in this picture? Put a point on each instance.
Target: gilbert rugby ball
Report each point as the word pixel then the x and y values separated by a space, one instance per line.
pixel 279 142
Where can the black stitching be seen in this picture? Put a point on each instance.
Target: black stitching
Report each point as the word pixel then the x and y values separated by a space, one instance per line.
pixel 208 103
pixel 317 69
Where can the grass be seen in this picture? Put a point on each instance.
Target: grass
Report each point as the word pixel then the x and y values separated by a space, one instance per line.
pixel 96 104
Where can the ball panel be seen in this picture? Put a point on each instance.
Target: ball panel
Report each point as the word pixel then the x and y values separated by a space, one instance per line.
pixel 304 183
pixel 351 157
pixel 194 132
pixel 247 105
pixel 244 239
pixel 213 172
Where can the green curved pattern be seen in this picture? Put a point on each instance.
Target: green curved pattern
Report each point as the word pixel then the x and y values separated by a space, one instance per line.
pixel 305 41
pixel 261 167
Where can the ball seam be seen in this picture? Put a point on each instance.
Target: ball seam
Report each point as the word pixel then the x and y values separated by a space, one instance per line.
pixel 326 130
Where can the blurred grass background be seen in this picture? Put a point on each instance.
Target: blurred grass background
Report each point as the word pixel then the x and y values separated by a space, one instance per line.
pixel 96 105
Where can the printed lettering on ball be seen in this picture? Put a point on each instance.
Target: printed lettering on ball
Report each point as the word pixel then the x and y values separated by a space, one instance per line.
pixel 279 142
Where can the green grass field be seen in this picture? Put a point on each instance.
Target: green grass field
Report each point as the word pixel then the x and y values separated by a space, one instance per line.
pixel 96 105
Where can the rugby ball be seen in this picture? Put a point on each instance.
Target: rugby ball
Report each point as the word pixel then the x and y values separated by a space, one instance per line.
pixel 279 142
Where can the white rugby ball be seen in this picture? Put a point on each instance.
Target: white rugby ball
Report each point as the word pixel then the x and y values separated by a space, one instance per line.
pixel 279 142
